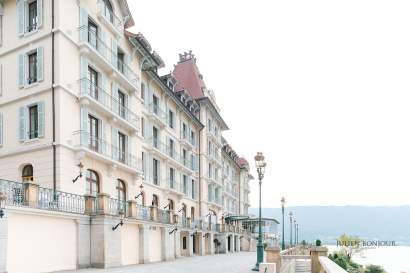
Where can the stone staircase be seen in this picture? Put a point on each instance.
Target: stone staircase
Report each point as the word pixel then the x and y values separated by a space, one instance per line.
pixel 303 266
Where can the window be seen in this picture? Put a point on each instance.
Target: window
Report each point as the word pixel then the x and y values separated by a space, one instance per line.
pixel 122 140
pixel 171 119
pixel 192 213
pixel 93 82
pixel 143 91
pixel 155 171
pixel 94 133
pixel 209 147
pixel 27 173
pixel 33 122
pixel 184 131
pixel 192 137
pixel 121 192
pixel 142 127
pixel 120 60
pixel 209 125
pixel 171 204
pixel 209 170
pixel 171 148
pixel 172 178
pixel 193 189
pixel 155 104
pixel 155 137
pixel 92 34
pixel 184 156
pixel 92 183
pixel 184 242
pixel 108 11
pixel 185 183
pixel 155 200
pixel 32 67
pixel 32 16
pixel 122 103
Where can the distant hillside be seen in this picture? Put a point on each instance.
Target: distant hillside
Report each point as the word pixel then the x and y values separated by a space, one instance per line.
pixel 328 222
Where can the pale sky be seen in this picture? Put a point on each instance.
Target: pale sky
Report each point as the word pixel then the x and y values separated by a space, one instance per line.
pixel 322 88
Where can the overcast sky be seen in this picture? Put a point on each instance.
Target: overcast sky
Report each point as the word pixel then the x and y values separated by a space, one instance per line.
pixel 322 88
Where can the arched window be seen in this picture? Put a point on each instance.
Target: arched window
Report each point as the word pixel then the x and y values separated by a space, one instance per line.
pixel 27 173
pixel 92 183
pixel 155 200
pixel 121 191
pixel 171 204
pixel 192 213
pixel 108 10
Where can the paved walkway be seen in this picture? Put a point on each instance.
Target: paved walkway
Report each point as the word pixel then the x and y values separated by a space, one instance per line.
pixel 241 262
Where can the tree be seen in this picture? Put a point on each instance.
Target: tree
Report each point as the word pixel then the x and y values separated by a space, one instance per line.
pixel 350 244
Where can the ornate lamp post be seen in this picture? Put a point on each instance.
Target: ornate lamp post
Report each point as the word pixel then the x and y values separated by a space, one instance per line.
pixel 283 222
pixel 260 168
pixel 291 221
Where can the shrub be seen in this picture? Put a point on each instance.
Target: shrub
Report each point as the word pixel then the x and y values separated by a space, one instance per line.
pixel 318 242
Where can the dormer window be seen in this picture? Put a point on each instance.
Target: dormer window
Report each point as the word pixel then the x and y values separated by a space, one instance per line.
pixel 171 85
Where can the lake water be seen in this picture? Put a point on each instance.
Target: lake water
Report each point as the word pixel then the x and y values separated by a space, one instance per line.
pixel 393 259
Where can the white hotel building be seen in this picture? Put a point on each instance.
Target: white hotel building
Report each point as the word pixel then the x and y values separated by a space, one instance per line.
pixel 102 161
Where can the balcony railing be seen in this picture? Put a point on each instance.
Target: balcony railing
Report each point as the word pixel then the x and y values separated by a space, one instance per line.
pixel 108 55
pixel 112 152
pixel 164 216
pixel 157 111
pixel 47 199
pixel 111 103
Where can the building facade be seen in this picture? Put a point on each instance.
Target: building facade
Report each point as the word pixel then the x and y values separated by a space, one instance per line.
pixel 105 160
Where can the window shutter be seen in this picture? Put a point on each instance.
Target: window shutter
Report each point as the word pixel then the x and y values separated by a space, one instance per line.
pixel 114 143
pixel 1 129
pixel 84 127
pixel 20 16
pixel 114 48
pixel 83 72
pixel 39 13
pixel 102 89
pixel 40 64
pixel 41 119
pixel 83 25
pixel 21 71
pixel 115 105
pixel 23 113
pixel 103 138
pixel 102 48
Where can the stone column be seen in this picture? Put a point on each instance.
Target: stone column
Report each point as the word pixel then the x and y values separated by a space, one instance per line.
pixel 273 256
pixel 105 243
pixel 177 244
pixel 103 206
pixel 315 253
pixel 143 250
pixel 167 245
pixel 83 243
pixel 90 204
pixel 132 209
pixel 30 194
pixel 202 250
pixel 190 243
pixel 3 242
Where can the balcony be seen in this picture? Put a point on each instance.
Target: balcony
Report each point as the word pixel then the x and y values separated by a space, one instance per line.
pixel 94 48
pixel 157 114
pixel 100 149
pixel 101 100
pixel 111 21
pixel 164 151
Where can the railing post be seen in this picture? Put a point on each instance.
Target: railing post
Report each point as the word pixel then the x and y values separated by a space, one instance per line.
pixel 154 213
pixel 103 204
pixel 30 194
pixel 315 252
pixel 89 204
pixel 273 256
pixel 132 209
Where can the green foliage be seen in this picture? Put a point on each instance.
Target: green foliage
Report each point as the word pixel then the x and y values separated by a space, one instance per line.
pixel 318 242
pixel 374 269
pixel 304 243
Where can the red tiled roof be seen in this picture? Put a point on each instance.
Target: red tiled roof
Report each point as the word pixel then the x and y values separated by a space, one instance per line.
pixel 242 161
pixel 188 78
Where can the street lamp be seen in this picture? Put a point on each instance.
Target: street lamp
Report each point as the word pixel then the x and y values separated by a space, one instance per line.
pixel 80 167
pixel 260 165
pixel 297 233
pixel 291 220
pixel 283 222
pixel 295 239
